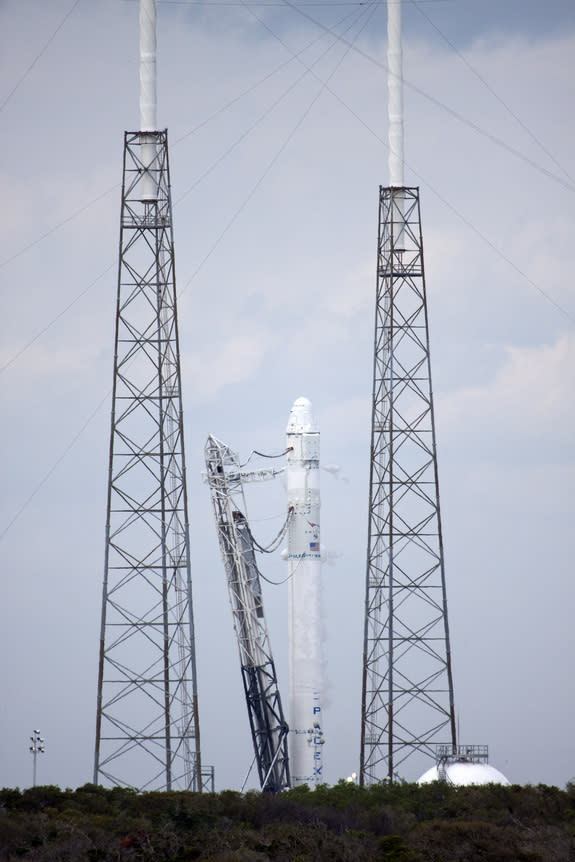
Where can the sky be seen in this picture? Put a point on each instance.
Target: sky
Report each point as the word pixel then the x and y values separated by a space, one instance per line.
pixel 275 175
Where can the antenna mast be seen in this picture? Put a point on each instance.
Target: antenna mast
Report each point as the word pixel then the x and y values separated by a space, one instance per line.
pixel 147 724
pixel 407 690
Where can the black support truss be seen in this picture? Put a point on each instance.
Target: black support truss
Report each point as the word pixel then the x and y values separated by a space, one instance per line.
pixel 147 728
pixel 407 694
pixel 267 723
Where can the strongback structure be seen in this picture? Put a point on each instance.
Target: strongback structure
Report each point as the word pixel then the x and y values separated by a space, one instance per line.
pixel 268 727
pixel 407 691
pixel 147 728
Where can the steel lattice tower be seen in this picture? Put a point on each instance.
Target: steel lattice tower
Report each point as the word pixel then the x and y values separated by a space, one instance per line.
pixel 407 697
pixel 147 729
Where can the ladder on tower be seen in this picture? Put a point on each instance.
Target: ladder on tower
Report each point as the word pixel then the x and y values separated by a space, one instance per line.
pixel 268 727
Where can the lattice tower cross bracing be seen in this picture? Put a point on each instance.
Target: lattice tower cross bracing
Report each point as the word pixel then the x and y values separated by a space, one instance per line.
pixel 147 725
pixel 147 716
pixel 407 692
pixel 407 687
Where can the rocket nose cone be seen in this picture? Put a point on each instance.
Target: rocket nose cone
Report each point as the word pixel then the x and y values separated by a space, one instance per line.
pixel 301 417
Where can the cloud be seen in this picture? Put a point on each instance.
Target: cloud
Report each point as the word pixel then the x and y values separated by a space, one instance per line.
pixel 354 293
pixel 43 368
pixel 349 419
pixel 531 397
pixel 282 307
pixel 230 360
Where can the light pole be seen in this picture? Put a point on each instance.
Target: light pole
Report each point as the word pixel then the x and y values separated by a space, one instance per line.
pixel 37 747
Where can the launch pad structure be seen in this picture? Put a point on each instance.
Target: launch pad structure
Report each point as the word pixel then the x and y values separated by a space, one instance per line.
pixel 407 686
pixel 147 716
pixel 147 723
pixel 407 694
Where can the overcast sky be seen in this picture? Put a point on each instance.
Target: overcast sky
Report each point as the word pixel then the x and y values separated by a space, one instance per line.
pixel 275 180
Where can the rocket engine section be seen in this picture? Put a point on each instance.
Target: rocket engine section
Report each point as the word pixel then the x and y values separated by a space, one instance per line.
pixel 304 596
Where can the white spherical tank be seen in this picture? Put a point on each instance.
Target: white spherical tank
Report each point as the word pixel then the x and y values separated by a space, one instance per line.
pixel 464 774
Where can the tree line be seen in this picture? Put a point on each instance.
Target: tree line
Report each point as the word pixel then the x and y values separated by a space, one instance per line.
pixel 400 821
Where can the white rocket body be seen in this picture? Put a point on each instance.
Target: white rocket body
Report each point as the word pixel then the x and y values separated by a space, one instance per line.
pixel 304 596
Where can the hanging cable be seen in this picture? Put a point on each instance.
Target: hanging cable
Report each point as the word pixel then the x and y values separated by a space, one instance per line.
pixel 495 94
pixel 432 189
pixel 54 320
pixel 243 205
pixel 228 226
pixel 275 543
pixel 265 455
pixel 279 99
pixel 60 224
pixel 261 81
pixel 343 103
pixel 284 580
pixel 54 466
pixel 37 57
pixel 437 102
pixel 208 171
pixel 179 140
pixel 249 773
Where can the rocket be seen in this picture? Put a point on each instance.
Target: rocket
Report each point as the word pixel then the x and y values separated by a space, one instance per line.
pixel 304 596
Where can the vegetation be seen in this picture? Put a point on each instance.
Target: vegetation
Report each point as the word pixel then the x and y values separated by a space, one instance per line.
pixel 432 823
